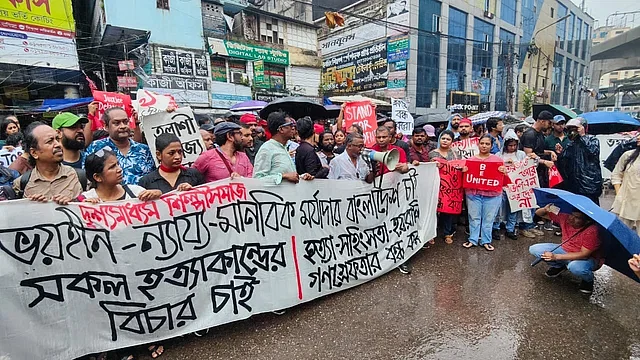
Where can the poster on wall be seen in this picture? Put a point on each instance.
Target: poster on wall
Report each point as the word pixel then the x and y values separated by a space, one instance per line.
pixel 359 70
pixel 186 91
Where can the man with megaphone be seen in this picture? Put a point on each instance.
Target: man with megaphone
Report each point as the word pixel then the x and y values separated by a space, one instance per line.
pixel 383 144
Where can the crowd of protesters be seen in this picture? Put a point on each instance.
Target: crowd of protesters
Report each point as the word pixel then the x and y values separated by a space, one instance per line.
pixel 83 159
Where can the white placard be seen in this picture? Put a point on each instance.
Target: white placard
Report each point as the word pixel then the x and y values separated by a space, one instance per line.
pixel 7 157
pixel 92 278
pixel 524 178
pixel 400 114
pixel 180 122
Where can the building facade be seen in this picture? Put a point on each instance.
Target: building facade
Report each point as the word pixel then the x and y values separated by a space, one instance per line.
pixel 470 55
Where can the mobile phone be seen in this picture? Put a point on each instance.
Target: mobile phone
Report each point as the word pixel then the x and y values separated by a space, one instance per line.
pixel 554 209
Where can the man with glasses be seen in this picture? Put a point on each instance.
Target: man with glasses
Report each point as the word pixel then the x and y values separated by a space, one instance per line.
pixel 49 179
pixel 70 129
pixel 226 159
pixel 350 165
pixel 273 162
pixel 579 251
pixel 134 158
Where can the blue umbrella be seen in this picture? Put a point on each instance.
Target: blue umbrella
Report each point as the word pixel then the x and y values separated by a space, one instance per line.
pixel 619 242
pixel 610 122
pixel 249 105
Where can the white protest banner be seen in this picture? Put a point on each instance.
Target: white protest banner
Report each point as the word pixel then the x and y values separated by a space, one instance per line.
pixel 92 278
pixel 467 148
pixel 524 178
pixel 7 157
pixel 180 122
pixel 149 102
pixel 400 114
pixel 607 144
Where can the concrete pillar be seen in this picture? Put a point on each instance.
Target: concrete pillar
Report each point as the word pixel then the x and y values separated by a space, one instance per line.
pixel 469 54
pixel 412 64
pixel 444 51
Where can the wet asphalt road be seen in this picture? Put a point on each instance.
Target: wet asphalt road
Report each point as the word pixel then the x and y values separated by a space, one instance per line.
pixel 456 304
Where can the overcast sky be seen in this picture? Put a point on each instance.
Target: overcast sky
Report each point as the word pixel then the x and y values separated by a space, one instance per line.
pixel 600 9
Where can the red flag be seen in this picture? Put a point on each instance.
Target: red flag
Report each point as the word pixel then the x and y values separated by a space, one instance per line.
pixel 92 84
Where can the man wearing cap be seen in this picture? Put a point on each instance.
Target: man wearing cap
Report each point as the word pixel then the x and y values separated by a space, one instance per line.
pixel 432 138
pixel 226 159
pixel 557 136
pixel 579 162
pixel 252 121
pixel 70 129
pixel 532 141
pixel 206 131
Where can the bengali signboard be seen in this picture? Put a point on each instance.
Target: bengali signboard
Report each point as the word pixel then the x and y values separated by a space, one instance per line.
pixel 398 49
pixel 181 123
pixel 397 80
pixel 258 71
pixel 359 70
pixel 183 63
pixel 120 274
pixel 187 91
pixel 352 37
pixel 524 178
pixel 38 33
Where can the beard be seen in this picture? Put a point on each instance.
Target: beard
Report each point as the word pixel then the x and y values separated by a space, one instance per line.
pixel 455 126
pixel 327 147
pixel 464 133
pixel 238 145
pixel 72 144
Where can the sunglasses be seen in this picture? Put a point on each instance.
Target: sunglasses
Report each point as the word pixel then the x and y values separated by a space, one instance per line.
pixel 100 153
pixel 290 123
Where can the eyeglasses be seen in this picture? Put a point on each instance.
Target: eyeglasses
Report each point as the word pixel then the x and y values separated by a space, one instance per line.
pixel 290 123
pixel 101 152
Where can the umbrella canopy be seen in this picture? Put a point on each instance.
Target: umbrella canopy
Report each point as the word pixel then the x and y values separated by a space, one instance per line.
pixel 61 104
pixel 333 111
pixel 610 122
pixel 482 118
pixel 554 109
pixel 423 120
pixel 249 105
pixel 296 107
pixel 352 98
pixel 619 242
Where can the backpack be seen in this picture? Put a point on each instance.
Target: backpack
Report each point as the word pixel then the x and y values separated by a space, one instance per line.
pixel 24 180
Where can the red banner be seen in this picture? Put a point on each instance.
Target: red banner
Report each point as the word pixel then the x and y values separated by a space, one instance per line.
pixel 554 177
pixel 107 100
pixel 483 175
pixel 362 113
pixel 451 195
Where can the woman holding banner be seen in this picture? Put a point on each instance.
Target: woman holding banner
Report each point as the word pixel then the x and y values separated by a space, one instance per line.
pixel 511 155
pixel 483 189
pixel 450 189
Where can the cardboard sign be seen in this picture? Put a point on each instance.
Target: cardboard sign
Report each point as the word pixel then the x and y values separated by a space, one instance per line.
pixel 451 195
pixel 183 124
pixel 107 100
pixel 400 114
pixel 362 113
pixel 524 178
pixel 7 157
pixel 467 148
pixel 483 175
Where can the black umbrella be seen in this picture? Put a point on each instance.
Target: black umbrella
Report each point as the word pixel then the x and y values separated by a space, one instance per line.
pixel 296 107
pixel 554 109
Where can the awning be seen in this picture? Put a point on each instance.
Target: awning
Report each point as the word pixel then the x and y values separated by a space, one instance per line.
pixel 61 104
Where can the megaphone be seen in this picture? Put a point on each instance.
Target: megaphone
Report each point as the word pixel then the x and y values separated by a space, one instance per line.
pixel 389 158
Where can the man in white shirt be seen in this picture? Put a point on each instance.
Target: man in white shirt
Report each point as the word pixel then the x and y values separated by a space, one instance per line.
pixel 349 165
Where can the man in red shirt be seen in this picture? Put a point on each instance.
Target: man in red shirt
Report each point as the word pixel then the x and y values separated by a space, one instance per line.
pixel 383 140
pixel 579 254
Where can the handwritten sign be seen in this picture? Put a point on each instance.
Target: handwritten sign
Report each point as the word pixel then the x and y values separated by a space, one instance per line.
pixel 107 100
pixel 524 178
pixel 467 148
pixel 149 102
pixel 362 113
pixel 483 175
pixel 7 157
pixel 451 195
pixel 142 272
pixel 183 124
pixel 400 114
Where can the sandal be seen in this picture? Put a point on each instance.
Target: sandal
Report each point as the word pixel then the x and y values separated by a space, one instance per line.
pixel 448 239
pixel 468 245
pixel 432 242
pixel 488 247
pixel 156 350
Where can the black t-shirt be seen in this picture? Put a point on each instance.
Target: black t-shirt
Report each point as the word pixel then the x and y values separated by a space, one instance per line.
pixel 534 140
pixel 155 181
pixel 78 164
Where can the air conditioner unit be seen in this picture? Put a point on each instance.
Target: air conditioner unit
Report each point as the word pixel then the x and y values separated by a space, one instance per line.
pixel 488 15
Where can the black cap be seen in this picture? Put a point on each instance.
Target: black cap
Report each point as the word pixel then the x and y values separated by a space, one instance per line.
pixel 225 127
pixel 207 127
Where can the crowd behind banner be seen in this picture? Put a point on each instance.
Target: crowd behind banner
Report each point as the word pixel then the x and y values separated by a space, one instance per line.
pixel 168 159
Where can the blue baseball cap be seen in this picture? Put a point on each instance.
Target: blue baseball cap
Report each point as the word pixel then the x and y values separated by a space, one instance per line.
pixel 558 119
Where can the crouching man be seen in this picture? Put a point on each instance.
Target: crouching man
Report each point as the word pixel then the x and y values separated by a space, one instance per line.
pixel 579 252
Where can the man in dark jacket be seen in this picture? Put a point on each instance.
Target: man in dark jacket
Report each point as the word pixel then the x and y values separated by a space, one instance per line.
pixel 579 162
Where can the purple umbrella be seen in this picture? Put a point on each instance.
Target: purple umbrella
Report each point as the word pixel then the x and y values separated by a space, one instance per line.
pixel 249 105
